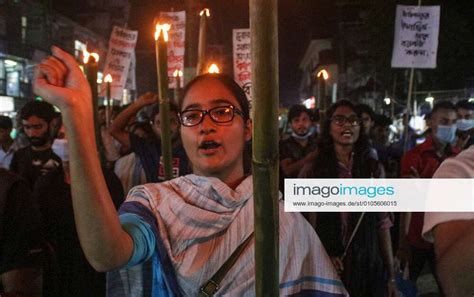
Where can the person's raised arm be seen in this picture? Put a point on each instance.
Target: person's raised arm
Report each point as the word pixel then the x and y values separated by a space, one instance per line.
pixel 117 128
pixel 59 81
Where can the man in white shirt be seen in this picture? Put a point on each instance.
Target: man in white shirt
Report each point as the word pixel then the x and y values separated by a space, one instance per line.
pixel 453 233
pixel 7 146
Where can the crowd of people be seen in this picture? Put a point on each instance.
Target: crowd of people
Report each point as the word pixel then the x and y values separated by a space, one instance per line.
pixel 66 217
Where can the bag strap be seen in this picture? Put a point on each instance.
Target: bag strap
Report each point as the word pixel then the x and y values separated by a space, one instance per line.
pixel 352 235
pixel 212 285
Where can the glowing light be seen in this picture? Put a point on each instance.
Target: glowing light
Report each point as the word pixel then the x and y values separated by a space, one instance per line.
pixel 205 11
pixel 429 99
pixel 86 56
pixel 162 27
pixel 471 99
pixel 324 74
pixel 177 73
pixel 213 69
pixel 10 63
pixel 387 101
pixel 108 78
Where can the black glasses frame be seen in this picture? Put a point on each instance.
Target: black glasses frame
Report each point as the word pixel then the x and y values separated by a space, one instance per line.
pixel 204 112
pixel 341 120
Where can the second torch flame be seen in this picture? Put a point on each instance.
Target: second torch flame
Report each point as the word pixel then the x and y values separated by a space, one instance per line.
pixel 213 69
pixel 108 78
pixel 162 27
pixel 205 11
pixel 86 56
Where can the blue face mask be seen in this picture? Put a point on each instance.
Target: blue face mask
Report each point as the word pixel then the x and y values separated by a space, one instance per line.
pixel 465 125
pixel 446 134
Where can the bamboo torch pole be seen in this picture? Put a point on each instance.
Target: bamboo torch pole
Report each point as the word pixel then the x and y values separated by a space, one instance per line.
pixel 406 120
pixel 264 45
pixel 91 66
pixel 177 89
pixel 204 14
pixel 161 39
pixel 108 114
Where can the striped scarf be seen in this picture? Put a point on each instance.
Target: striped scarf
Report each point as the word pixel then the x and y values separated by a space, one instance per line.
pixel 200 221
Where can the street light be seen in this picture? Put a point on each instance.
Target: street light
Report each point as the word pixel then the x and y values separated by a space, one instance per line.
pixel 387 101
pixel 10 63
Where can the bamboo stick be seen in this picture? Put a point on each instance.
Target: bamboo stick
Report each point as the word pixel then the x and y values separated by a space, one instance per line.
pixel 204 14
pixel 91 67
pixel 264 45
pixel 161 39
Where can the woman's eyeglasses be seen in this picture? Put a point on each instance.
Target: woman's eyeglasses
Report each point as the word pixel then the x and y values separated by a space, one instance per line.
pixel 219 114
pixel 341 120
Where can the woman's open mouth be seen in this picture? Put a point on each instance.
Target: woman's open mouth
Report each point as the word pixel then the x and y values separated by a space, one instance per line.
pixel 208 147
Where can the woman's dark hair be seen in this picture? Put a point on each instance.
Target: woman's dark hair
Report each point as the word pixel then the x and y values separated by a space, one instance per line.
pixel 228 82
pixel 326 165
pixel 239 94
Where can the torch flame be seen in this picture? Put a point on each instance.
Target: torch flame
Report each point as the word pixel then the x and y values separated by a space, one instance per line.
pixel 324 74
pixel 205 11
pixel 86 56
pixel 213 69
pixel 108 78
pixel 177 73
pixel 165 28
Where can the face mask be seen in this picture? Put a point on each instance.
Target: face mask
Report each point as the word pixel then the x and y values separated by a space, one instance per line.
pixel 60 148
pixel 301 137
pixel 446 134
pixel 464 124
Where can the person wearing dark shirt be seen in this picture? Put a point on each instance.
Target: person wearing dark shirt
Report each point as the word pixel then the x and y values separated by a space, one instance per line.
pixel 299 148
pixel 72 274
pixel 36 159
pixel 149 150
pixel 21 239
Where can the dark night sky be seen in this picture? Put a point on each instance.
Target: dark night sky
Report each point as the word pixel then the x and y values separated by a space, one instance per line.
pixel 299 22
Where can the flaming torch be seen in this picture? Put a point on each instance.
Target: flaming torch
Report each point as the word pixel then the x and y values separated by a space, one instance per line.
pixel 161 41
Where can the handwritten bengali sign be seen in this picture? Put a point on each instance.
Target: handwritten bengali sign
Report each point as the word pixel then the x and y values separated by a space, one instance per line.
pixel 416 36
pixel 177 20
pixel 242 59
pixel 121 49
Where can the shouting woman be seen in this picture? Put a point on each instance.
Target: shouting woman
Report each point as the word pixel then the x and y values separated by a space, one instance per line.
pixel 186 228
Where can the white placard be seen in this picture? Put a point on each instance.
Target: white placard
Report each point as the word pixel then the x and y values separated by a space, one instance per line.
pixel 121 48
pixel 242 59
pixel 416 36
pixel 176 43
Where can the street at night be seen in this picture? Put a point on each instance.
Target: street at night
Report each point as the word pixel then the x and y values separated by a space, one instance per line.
pixel 236 148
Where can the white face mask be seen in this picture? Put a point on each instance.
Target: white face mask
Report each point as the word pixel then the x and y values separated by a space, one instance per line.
pixel 464 124
pixel 301 137
pixel 446 134
pixel 60 148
